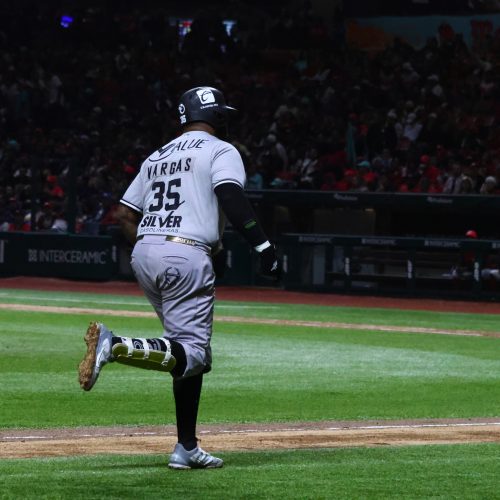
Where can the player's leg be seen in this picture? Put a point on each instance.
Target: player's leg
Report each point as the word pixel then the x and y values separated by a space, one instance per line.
pixel 179 283
pixel 151 354
pixel 187 392
pixel 187 454
pixel 160 354
pixel 188 320
pixel 154 353
pixel 147 353
pixel 184 289
pixel 170 277
pixel 165 277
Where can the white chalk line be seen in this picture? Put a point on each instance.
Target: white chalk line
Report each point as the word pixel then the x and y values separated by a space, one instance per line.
pixel 144 303
pixel 73 300
pixel 251 431
pixel 254 321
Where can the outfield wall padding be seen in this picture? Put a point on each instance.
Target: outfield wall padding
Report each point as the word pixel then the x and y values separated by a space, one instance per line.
pixel 57 255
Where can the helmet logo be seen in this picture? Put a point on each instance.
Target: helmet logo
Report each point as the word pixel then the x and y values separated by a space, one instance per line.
pixel 182 110
pixel 205 95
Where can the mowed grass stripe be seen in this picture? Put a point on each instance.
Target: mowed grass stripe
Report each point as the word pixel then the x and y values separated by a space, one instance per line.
pixel 261 321
pixel 445 471
pixel 261 373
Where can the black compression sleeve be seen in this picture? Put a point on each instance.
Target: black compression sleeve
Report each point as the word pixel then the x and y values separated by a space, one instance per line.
pixel 240 213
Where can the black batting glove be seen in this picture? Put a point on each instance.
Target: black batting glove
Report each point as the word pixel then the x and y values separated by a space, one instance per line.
pixel 269 264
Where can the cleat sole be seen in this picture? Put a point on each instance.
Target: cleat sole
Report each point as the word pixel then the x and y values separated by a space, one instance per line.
pixel 86 368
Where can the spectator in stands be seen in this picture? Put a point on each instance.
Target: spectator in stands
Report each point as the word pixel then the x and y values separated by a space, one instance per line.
pixel 464 269
pixel 19 223
pixel 411 129
pixel 409 76
pixel 309 170
pixel 489 185
pixel 390 108
pixel 391 131
pixel 59 224
pixel 466 185
pixel 254 179
pixel 453 182
pixel 275 152
pixel 45 219
pixel 52 188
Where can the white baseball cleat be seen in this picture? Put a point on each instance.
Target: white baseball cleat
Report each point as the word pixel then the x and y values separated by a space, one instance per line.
pixel 194 459
pixel 98 340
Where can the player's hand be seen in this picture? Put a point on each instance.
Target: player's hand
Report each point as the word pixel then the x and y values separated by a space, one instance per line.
pixel 269 263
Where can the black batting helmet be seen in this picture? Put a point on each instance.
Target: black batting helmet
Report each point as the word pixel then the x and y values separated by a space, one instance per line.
pixel 204 104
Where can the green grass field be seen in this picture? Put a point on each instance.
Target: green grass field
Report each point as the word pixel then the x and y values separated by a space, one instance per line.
pixel 262 373
pixel 465 472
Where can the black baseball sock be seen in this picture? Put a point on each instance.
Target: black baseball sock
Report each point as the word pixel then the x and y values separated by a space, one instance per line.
pixel 179 354
pixel 187 398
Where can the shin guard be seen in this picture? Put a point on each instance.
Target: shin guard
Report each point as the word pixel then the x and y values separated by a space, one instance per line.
pixel 130 353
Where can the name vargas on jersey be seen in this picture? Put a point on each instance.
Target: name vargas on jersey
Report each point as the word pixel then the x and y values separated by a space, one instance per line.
pixel 169 168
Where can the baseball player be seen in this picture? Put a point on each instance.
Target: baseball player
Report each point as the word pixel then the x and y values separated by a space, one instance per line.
pixel 173 212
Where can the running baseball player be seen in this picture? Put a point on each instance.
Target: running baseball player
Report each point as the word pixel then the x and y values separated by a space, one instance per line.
pixel 173 212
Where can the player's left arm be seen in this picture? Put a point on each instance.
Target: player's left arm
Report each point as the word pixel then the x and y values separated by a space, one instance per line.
pixel 129 220
pixel 228 179
pixel 240 213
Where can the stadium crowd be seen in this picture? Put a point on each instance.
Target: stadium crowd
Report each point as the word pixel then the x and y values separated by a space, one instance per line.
pixel 86 95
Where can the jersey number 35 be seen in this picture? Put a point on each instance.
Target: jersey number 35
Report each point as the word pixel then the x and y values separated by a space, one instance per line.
pixel 162 192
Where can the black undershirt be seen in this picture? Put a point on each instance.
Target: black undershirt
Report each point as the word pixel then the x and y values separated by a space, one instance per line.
pixel 240 213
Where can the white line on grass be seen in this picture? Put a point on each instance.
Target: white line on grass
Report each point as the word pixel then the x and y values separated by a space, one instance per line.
pixel 354 428
pixel 236 306
pixel 249 431
pixel 97 434
pixel 77 301
pixel 253 321
pixel 416 426
pixel 117 302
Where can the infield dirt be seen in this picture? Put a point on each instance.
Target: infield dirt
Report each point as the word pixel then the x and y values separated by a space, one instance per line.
pixel 29 443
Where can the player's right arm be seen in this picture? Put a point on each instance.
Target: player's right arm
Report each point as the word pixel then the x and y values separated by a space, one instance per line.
pixel 129 214
pixel 129 220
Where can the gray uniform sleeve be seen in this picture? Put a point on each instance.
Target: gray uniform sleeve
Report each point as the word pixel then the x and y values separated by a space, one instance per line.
pixel 133 197
pixel 227 165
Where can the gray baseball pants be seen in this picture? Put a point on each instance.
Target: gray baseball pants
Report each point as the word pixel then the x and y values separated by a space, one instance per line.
pixel 178 280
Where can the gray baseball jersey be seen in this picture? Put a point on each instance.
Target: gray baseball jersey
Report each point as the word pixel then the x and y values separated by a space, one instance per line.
pixel 174 189
pixel 174 192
